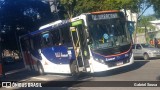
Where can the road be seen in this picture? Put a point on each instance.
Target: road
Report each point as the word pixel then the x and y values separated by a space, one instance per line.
pixel 139 71
pixel 13 66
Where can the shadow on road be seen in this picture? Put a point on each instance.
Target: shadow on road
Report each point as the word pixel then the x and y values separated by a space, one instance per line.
pixel 136 65
pixel 84 77
pixel 65 84
pixel 8 67
pixel 18 76
pixel 155 58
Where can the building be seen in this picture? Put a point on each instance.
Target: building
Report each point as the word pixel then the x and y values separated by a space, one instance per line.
pixel 140 38
pixel 156 32
pixel 156 24
pixel 131 16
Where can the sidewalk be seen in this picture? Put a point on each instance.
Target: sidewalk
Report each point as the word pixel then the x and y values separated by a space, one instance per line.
pixel 18 75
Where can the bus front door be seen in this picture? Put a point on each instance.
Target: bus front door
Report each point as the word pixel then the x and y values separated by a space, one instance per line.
pixel 79 39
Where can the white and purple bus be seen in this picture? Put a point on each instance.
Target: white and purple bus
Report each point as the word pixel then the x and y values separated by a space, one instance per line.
pixel 91 42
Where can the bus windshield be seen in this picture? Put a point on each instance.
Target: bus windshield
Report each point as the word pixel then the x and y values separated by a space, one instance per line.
pixel 109 33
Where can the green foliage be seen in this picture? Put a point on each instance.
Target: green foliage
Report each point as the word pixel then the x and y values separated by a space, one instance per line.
pixel 117 4
pixel 18 17
pixel 140 30
pixel 76 7
pixel 84 6
pixel 144 22
pixel 145 26
pixel 156 5
pixel 69 6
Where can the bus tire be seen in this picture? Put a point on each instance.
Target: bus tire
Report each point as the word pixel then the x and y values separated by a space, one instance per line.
pixel 146 56
pixel 40 69
pixel 74 69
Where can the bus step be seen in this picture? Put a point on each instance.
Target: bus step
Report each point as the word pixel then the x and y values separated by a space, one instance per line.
pixel 88 69
pixel 81 69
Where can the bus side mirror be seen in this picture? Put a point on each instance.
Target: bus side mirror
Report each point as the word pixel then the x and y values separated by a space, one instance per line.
pixel 131 27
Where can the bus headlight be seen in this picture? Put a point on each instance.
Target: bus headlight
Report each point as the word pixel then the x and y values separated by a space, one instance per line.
pixel 102 61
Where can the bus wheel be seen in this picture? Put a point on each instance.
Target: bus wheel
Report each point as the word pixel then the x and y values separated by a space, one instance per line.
pixel 40 69
pixel 146 56
pixel 74 69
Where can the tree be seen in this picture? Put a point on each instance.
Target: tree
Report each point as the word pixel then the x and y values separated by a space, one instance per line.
pixel 142 6
pixel 144 22
pixel 85 6
pixel 29 14
pixel 22 16
pixel 76 7
pixel 117 4
pixel 156 6
pixel 69 6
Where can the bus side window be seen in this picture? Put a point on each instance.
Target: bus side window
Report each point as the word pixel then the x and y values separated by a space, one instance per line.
pixel 55 35
pixel 46 40
pixel 24 44
pixel 27 42
pixel 65 35
pixel 37 42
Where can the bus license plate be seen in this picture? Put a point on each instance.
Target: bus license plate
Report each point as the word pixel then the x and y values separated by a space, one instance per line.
pixel 119 63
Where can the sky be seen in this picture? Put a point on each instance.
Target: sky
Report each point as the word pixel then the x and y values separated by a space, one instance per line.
pixel 149 11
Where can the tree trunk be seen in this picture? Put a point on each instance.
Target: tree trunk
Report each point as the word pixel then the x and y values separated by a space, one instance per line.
pixel 145 33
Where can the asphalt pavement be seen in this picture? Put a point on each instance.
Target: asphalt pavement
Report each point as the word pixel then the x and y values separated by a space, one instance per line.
pixel 18 75
pixel 13 66
pixel 140 71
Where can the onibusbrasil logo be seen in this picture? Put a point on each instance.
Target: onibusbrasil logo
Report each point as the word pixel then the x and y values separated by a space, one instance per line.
pixel 20 84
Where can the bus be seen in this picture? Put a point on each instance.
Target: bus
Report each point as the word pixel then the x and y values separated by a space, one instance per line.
pixel 91 42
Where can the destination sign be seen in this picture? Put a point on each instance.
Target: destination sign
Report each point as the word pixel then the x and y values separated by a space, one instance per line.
pixel 104 16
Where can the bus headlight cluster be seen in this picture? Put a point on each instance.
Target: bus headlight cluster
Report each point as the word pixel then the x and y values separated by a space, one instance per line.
pixel 102 61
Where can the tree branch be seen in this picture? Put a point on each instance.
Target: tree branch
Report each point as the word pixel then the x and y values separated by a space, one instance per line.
pixel 143 11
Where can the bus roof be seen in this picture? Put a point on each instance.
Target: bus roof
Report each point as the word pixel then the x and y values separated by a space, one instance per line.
pixel 108 11
pixel 96 12
pixel 51 26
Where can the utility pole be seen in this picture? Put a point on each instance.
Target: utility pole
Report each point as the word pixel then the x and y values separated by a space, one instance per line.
pixel 53 6
pixel 125 12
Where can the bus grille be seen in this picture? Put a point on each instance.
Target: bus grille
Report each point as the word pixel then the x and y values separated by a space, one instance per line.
pixel 114 63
